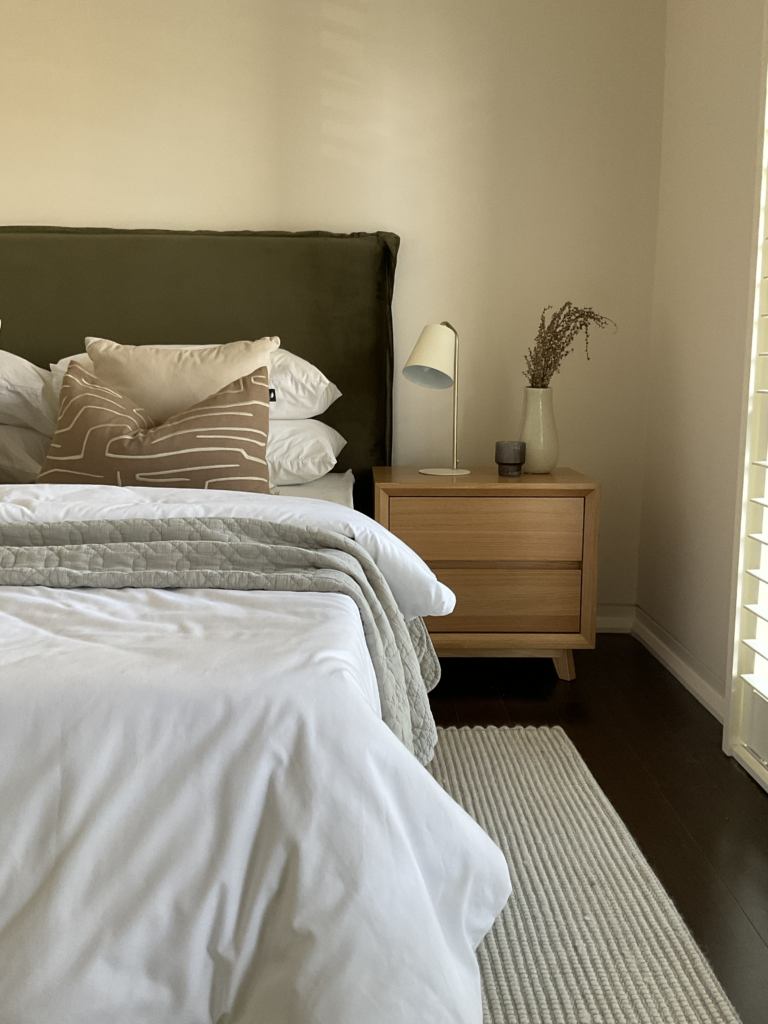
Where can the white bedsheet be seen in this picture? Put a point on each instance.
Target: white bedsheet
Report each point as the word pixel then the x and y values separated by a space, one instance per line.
pixel 204 819
pixel 335 487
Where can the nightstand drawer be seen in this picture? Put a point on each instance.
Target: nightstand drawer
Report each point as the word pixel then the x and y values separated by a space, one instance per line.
pixel 511 600
pixel 490 529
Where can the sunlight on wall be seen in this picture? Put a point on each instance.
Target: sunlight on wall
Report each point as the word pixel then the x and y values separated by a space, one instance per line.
pixel 513 146
pixel 702 321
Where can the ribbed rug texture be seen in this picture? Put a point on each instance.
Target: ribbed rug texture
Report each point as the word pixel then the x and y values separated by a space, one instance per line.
pixel 589 936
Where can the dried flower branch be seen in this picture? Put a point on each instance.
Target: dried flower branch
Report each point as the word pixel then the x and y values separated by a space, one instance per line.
pixel 555 340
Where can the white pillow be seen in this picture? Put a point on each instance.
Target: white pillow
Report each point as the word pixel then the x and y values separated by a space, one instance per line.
pixel 27 395
pixel 301 450
pixel 165 381
pixel 301 390
pixel 22 454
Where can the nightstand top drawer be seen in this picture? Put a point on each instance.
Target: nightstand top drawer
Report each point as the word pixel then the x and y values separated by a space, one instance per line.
pixel 482 481
pixel 490 529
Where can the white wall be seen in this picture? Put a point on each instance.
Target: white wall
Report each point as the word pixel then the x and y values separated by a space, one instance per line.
pixel 702 322
pixel 513 144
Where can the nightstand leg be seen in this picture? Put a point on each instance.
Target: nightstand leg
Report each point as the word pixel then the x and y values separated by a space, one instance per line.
pixel 564 665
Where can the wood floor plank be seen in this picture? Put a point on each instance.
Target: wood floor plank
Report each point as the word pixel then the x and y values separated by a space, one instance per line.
pixel 720 805
pixel 490 711
pixel 444 712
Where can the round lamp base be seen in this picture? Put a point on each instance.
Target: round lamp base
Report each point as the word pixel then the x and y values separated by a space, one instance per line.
pixel 444 472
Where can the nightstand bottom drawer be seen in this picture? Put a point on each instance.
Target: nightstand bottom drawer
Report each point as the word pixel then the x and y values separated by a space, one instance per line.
pixel 511 601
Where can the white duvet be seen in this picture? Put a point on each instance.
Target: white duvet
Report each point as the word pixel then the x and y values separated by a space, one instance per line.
pixel 203 817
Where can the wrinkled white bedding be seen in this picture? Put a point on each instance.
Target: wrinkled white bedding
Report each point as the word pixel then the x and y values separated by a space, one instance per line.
pixel 203 817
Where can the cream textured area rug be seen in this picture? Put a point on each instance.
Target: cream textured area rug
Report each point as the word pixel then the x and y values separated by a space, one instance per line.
pixel 589 936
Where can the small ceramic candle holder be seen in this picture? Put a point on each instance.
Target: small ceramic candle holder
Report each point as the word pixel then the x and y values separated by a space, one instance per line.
pixel 510 456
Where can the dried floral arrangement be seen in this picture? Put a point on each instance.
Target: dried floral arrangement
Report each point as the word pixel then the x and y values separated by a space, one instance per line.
pixel 555 340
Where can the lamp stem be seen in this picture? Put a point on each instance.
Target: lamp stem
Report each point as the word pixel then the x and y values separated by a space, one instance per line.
pixel 455 393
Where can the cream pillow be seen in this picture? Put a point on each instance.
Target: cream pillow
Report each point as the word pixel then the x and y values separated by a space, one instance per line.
pixel 301 390
pixel 165 381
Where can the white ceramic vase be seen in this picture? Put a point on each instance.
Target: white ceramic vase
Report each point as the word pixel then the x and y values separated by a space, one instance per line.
pixel 539 432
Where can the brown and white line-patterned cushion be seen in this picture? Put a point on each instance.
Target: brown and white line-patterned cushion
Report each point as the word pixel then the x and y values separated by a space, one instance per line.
pixel 103 437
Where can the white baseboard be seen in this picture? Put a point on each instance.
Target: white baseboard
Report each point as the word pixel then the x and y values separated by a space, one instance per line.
pixel 680 662
pixel 628 618
pixel 615 618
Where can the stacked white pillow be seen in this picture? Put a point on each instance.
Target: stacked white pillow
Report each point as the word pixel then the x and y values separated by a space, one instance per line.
pixel 22 454
pixel 300 448
pixel 299 451
pixel 301 390
pixel 27 395
pixel 28 410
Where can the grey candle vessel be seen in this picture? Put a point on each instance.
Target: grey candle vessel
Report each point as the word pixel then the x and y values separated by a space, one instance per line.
pixel 510 456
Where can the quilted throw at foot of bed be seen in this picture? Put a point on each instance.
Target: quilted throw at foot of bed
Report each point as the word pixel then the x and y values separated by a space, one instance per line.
pixel 240 554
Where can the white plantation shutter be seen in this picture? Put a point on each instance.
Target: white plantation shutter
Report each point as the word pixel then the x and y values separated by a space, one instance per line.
pixel 746 728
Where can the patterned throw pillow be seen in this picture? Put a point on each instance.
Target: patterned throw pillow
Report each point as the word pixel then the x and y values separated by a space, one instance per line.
pixel 103 437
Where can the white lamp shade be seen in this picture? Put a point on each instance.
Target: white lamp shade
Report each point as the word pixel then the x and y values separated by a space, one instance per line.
pixel 431 363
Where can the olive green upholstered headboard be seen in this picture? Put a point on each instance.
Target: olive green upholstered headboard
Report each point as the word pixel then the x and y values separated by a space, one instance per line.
pixel 327 296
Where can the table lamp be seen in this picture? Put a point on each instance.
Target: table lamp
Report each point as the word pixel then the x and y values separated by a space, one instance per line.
pixel 434 363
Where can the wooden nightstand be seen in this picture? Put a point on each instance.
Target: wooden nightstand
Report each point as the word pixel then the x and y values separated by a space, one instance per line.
pixel 520 554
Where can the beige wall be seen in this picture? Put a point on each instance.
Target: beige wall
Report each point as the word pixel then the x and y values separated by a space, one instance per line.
pixel 513 144
pixel 702 318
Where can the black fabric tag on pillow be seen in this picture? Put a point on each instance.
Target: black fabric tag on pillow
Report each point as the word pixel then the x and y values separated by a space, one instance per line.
pixel 272 395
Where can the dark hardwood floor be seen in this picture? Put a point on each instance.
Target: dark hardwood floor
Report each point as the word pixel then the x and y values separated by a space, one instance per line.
pixel 699 818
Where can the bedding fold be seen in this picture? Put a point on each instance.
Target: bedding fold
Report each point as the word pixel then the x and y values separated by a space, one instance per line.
pixel 240 554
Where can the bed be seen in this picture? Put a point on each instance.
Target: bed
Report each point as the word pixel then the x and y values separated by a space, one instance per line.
pixel 212 703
